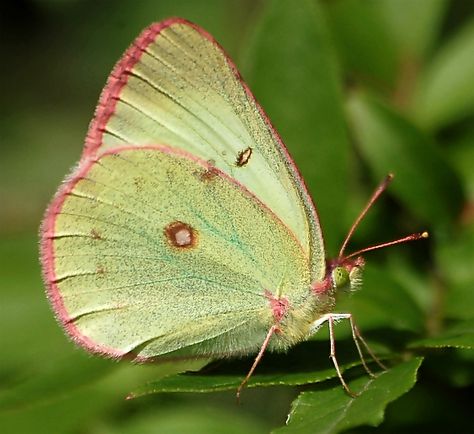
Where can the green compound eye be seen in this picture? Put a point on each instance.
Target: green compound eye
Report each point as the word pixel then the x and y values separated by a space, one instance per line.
pixel 340 277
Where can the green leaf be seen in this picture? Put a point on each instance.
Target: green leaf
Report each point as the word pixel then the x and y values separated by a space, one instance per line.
pixel 445 92
pixel 291 70
pixel 415 280
pixel 424 181
pixel 207 383
pixel 24 310
pixel 72 412
pixel 414 25
pixel 193 418
pixel 454 258
pixel 55 380
pixel 78 407
pixel 365 45
pixel 460 335
pixel 332 410
pixel 461 154
pixel 62 377
pixel 304 364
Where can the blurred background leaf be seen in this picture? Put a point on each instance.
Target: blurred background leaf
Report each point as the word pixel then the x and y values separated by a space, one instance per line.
pixel 413 25
pixel 389 143
pixel 445 92
pixel 356 88
pixel 459 335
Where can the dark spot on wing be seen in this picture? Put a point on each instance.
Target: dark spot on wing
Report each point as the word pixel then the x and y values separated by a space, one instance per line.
pixel 181 235
pixel 243 157
pixel 209 173
pixel 96 235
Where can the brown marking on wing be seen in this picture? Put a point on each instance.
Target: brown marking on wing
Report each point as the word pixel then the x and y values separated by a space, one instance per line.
pixel 96 235
pixel 181 235
pixel 243 157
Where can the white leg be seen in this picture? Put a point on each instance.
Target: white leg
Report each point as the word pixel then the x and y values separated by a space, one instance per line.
pixel 331 318
pixel 358 337
pixel 332 354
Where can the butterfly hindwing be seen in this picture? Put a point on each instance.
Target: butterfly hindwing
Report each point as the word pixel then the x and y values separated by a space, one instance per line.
pixel 149 250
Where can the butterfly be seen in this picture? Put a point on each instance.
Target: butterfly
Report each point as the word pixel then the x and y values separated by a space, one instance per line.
pixel 186 230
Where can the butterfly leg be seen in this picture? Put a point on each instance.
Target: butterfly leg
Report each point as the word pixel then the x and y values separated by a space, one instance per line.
pixel 264 346
pixel 331 318
pixel 358 337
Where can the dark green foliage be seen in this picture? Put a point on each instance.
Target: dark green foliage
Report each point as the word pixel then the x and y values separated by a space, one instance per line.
pixel 357 89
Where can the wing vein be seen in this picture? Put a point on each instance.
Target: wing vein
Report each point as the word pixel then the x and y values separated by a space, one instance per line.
pixel 225 125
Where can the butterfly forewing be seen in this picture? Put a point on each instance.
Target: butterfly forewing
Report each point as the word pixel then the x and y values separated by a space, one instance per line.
pixel 176 86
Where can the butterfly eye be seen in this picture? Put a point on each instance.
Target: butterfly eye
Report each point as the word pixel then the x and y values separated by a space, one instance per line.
pixel 340 277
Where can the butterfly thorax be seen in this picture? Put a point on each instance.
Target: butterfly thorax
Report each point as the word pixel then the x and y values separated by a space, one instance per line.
pixel 295 324
pixel 295 321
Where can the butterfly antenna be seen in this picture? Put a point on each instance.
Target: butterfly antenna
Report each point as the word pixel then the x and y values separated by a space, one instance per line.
pixel 411 237
pixel 375 195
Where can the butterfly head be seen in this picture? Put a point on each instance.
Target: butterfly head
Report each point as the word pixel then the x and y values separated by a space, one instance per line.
pixel 346 274
pixel 342 274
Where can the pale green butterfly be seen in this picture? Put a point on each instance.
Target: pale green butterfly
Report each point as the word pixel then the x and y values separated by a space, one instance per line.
pixel 186 230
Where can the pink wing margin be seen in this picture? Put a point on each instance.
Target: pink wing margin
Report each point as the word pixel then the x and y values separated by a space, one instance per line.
pixel 47 234
pixel 119 77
